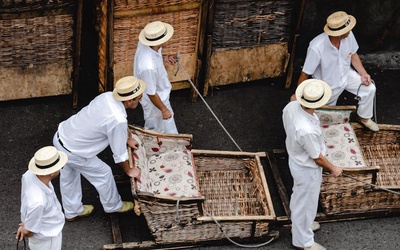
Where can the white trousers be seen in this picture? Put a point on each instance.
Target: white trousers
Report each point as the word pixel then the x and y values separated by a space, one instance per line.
pixel 97 172
pixel 304 202
pixel 153 120
pixel 50 243
pixel 366 93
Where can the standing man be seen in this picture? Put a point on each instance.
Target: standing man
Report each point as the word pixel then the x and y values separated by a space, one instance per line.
pixel 84 135
pixel 306 148
pixel 330 56
pixel 149 67
pixel 42 219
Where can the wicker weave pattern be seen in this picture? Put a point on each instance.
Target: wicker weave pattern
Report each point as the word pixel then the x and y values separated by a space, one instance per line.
pixel 30 4
pixel 38 40
pixel 141 4
pixel 345 195
pixel 230 187
pixel 246 23
pixel 382 149
pixel 126 33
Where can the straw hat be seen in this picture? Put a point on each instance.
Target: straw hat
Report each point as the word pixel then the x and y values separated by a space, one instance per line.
pixel 156 33
pixel 339 23
pixel 313 93
pixel 128 88
pixel 47 160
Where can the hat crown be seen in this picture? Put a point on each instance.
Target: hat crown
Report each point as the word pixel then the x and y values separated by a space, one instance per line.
pixel 313 91
pixel 128 88
pixel 337 19
pixel 154 30
pixel 46 156
pixel 127 84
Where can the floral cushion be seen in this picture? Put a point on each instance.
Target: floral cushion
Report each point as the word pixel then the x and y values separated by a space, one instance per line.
pixel 169 170
pixel 172 174
pixel 331 117
pixel 161 144
pixel 342 146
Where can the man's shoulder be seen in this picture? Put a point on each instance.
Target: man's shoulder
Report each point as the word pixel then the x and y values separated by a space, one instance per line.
pixel 319 40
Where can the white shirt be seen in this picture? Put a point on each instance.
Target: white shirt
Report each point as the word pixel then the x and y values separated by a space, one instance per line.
pixel 304 138
pixel 101 123
pixel 149 67
pixel 41 211
pixel 325 62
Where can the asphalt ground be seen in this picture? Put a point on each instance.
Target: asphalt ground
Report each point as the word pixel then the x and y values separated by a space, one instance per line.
pixel 250 112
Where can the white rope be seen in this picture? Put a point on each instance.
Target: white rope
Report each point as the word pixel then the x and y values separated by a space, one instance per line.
pixel 375 186
pixel 177 56
pixel 177 220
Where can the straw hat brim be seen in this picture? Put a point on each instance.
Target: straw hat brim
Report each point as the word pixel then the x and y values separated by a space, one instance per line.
pixel 38 171
pixel 341 31
pixel 130 97
pixel 313 105
pixel 170 32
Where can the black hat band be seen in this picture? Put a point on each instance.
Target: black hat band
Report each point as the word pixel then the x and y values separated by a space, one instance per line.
pixel 157 38
pixel 48 166
pixel 341 27
pixel 312 101
pixel 130 92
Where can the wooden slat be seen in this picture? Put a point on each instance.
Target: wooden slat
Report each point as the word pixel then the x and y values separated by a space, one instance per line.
pixel 77 56
pixel 116 232
pixel 277 176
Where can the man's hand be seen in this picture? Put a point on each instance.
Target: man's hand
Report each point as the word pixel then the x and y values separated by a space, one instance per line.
pixel 293 98
pixel 22 232
pixel 336 171
pixel 132 143
pixel 171 60
pixel 366 79
pixel 133 172
pixel 166 114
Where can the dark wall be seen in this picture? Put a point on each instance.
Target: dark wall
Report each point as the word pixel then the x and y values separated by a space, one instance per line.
pixel 373 16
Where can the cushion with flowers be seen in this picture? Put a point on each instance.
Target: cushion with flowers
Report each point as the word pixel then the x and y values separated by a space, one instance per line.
pixel 331 117
pixel 167 166
pixel 342 146
pixel 172 173
pixel 154 144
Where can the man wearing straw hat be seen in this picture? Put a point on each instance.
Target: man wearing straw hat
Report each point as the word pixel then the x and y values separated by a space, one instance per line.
pixel 149 66
pixel 84 135
pixel 42 219
pixel 329 58
pixel 306 149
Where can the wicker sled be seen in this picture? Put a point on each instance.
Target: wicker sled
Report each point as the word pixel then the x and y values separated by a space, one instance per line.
pixel 184 193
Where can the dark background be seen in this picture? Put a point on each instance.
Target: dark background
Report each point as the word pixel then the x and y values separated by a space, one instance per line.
pixel 251 112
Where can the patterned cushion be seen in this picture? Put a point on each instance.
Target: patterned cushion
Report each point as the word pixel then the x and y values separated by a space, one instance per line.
pixel 140 161
pixel 342 146
pixel 161 144
pixel 172 174
pixel 331 117
pixel 167 166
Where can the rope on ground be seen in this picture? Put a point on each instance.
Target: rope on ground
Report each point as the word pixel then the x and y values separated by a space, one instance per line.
pixel 177 220
pixel 177 56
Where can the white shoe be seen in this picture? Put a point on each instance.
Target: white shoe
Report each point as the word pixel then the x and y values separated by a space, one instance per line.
pixel 315 226
pixel 314 246
pixel 369 124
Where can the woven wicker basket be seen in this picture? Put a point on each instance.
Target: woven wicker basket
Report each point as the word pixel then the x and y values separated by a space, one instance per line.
pixel 36 48
pixel 345 195
pixel 234 193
